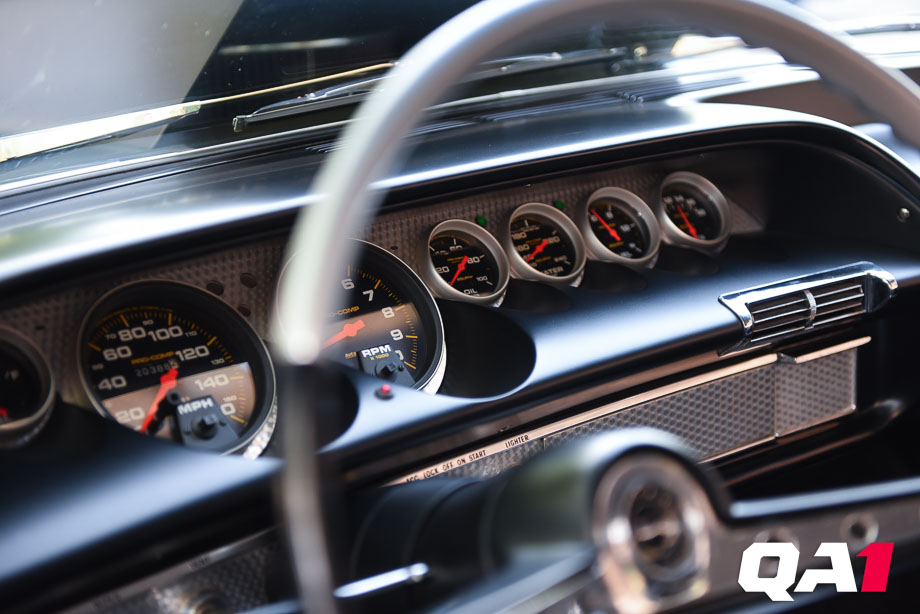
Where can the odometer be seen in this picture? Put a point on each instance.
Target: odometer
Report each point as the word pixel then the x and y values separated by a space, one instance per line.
pixel 154 343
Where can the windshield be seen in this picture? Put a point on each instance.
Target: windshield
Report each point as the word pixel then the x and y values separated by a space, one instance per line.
pixel 181 75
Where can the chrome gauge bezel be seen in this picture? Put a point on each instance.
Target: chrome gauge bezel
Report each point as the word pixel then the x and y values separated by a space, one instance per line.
pixel 521 269
pixel 675 236
pixel 464 228
pixel 435 375
pixel 258 435
pixel 19 432
pixel 638 209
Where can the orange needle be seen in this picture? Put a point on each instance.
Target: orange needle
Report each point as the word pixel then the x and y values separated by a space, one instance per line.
pixel 460 268
pixel 613 233
pixel 167 383
pixel 536 251
pixel 349 330
pixel 687 222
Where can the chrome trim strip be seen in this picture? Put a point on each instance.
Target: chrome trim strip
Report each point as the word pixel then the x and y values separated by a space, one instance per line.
pixel 598 412
pixel 823 353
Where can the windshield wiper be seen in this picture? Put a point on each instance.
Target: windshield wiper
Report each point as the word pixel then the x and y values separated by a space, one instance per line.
pixel 49 139
pixel 356 91
pixel 331 97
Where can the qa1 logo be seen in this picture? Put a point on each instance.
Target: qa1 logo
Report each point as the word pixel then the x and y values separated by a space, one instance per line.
pixel 840 574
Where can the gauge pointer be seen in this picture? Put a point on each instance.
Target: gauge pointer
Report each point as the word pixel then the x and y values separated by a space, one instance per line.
pixel 460 269
pixel 687 222
pixel 613 233
pixel 536 251
pixel 349 330
pixel 167 383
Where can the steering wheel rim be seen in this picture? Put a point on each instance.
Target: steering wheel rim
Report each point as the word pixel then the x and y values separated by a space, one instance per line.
pixel 372 145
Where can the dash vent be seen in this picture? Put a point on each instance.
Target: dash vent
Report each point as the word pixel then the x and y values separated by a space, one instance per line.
pixel 776 311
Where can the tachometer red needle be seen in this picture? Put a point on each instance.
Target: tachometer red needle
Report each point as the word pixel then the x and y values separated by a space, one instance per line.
pixel 536 251
pixel 687 222
pixel 460 268
pixel 167 383
pixel 349 330
pixel 613 233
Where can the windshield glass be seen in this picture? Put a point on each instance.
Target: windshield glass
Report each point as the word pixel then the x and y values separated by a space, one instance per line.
pixel 212 72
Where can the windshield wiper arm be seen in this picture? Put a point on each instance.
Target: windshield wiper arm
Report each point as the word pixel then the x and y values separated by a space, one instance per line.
pixel 331 97
pixel 49 139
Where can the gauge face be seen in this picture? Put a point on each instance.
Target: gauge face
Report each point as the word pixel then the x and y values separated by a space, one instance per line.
pixel 172 361
pixel 26 389
pixel 691 212
pixel 543 245
pixel 387 326
pixel 617 229
pixel 21 389
pixel 465 264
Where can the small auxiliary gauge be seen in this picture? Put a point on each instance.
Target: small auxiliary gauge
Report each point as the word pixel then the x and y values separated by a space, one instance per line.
pixel 543 244
pixel 26 389
pixel 464 262
pixel 619 227
pixel 693 212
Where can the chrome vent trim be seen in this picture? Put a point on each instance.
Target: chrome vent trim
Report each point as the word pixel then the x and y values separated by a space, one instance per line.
pixel 776 311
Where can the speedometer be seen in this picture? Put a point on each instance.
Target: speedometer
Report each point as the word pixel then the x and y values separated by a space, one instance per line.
pixel 170 360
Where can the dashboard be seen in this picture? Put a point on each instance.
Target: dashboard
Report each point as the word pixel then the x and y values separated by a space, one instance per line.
pixel 493 313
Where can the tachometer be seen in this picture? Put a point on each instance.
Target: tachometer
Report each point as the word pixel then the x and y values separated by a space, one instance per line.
pixel 619 227
pixel 386 323
pixel 693 212
pixel 171 360
pixel 544 244
pixel 464 262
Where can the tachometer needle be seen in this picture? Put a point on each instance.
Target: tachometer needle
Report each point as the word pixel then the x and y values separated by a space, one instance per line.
pixel 536 251
pixel 349 330
pixel 613 233
pixel 687 222
pixel 460 268
pixel 167 383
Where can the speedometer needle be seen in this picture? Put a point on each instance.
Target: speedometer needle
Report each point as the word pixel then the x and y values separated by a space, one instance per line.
pixel 460 268
pixel 167 383
pixel 537 250
pixel 613 233
pixel 687 222
pixel 349 330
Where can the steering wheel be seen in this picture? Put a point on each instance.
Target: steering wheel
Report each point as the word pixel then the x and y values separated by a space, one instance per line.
pixel 373 144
